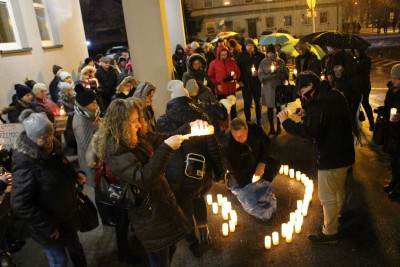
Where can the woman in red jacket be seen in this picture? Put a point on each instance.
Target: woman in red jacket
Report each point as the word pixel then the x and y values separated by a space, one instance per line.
pixel 224 73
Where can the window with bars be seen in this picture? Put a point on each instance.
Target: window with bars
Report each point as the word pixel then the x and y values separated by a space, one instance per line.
pixel 43 21
pixel 9 37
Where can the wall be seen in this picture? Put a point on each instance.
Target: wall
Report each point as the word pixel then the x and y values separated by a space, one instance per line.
pixel 37 64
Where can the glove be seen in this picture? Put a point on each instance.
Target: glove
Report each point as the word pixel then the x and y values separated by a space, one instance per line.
pixel 204 234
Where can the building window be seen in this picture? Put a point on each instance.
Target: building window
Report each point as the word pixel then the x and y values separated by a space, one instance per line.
pixel 42 18
pixel 270 22
pixel 207 3
pixel 323 17
pixel 287 21
pixel 210 28
pixel 305 19
pixel 9 38
pixel 228 25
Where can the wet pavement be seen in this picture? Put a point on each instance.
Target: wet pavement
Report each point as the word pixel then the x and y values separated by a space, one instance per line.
pixel 371 222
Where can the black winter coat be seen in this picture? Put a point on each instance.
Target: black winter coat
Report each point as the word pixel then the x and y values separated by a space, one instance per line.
pixel 180 112
pixel 158 223
pixel 328 123
pixel 53 88
pixel 244 158
pixel 363 73
pixel 44 190
pixel 179 61
pixel 392 100
pixel 17 106
pixel 108 82
pixel 308 61
pixel 246 62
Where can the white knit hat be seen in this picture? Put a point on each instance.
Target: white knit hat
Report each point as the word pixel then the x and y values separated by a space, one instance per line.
pixel 177 89
pixel 228 102
pixel 39 87
pixel 63 75
pixel 194 45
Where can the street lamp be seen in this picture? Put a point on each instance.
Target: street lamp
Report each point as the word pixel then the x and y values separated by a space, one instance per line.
pixel 311 5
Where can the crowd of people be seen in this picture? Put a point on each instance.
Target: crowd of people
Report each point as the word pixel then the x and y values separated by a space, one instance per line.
pixel 157 173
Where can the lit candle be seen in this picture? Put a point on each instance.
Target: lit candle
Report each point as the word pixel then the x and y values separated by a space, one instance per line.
pixel 225 229
pixel 232 73
pixel 322 77
pixel 255 178
pixel 297 227
pixel 224 200
pixel 281 169
pixel 219 199
pixel 62 111
pixel 215 208
pixel 286 169
pixel 253 69
pixel 273 67
pixel 292 217
pixel 299 204
pixel 267 242
pixel 303 176
pixel 298 175
pixel 393 112
pixel 304 209
pixel 295 71
pixel 291 173
pixel 283 230
pixel 275 238
pixel 289 237
pixel 224 212
pixel 209 199
pixel 289 228
pixel 233 216
pixel 232 226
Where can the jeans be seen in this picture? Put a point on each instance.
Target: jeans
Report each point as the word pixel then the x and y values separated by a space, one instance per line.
pixel 332 193
pixel 161 258
pixel 248 95
pixel 56 250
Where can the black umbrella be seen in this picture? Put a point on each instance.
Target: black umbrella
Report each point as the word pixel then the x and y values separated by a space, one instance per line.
pixel 339 40
pixel 310 37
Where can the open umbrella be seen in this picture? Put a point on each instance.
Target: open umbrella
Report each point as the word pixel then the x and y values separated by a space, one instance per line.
pixel 290 50
pixel 310 37
pixel 224 35
pixel 339 40
pixel 276 38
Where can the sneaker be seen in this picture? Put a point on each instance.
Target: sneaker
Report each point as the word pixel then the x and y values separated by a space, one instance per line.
pixel 324 239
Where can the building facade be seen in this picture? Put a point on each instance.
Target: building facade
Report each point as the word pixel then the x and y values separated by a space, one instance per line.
pixel 34 35
pixel 253 17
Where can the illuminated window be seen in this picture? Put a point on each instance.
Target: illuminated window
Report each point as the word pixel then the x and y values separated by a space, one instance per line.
pixel 9 38
pixel 42 18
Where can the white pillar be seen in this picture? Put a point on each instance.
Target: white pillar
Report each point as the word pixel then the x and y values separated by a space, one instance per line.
pixel 148 35
pixel 176 25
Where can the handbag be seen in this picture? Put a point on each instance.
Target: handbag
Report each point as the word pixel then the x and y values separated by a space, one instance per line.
pixel 195 166
pixel 87 212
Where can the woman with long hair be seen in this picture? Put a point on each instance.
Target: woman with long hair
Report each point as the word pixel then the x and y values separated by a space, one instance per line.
pixel 156 218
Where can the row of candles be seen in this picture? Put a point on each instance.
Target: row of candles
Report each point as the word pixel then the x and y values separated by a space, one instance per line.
pixel 296 218
pixel 322 77
pixel 228 214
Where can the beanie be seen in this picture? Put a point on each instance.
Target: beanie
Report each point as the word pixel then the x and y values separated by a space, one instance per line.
pixel 395 71
pixel 63 75
pixel 192 87
pixel 84 96
pixel 249 41
pixel 22 90
pixel 56 68
pixel 176 88
pixel 39 87
pixel 194 45
pixel 35 125
pixel 271 49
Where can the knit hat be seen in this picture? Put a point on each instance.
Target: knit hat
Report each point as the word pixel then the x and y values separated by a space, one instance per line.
pixel 63 75
pixel 35 124
pixel 84 96
pixel 22 90
pixel 194 45
pixel 228 102
pixel 271 49
pixel 62 86
pixel 30 83
pixel 249 41
pixel 56 68
pixel 395 71
pixel 176 88
pixel 192 87
pixel 38 87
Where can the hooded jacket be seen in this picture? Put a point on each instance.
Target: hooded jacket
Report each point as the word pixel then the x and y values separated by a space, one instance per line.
pixel 179 61
pixel 308 61
pixel 246 62
pixel 141 92
pixel 220 73
pixel 43 193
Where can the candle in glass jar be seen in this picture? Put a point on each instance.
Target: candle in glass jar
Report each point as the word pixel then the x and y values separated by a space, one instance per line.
pixel 304 209
pixel 292 217
pixel 233 216
pixel 291 173
pixel 393 112
pixel 224 200
pixel 225 229
pixel 209 199
pixel 268 242
pixel 219 199
pixel 286 169
pixel 224 212
pixel 215 208
pixel 275 238
pixel 232 226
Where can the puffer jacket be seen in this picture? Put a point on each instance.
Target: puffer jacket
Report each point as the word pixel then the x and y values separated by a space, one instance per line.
pixel 180 112
pixel 158 222
pixel 16 108
pixel 43 193
pixel 220 73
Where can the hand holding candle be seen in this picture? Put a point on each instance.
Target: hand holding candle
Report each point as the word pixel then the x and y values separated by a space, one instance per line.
pixel 200 128
pixel 273 67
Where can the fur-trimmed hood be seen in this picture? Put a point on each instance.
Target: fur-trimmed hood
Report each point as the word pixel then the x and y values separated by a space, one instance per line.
pixel 27 147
